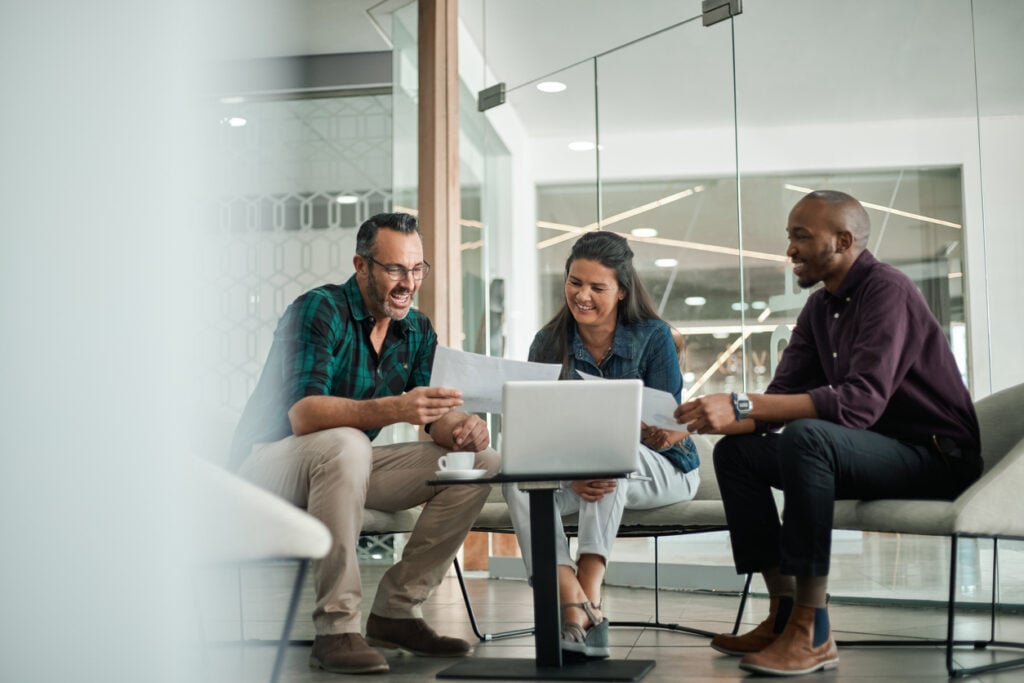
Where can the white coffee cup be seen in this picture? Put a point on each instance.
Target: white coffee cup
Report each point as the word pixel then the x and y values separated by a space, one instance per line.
pixel 457 460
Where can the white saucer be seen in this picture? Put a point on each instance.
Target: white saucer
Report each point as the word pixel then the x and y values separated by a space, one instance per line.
pixel 460 474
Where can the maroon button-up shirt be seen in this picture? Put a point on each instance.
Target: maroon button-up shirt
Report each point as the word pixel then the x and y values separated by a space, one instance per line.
pixel 872 356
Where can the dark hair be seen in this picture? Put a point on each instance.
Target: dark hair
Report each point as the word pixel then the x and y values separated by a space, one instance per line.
pixel 850 213
pixel 366 239
pixel 611 251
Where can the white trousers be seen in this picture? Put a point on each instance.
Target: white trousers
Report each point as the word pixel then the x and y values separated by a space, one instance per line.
pixel 599 521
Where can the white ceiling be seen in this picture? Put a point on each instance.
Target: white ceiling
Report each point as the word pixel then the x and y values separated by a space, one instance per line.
pixel 908 59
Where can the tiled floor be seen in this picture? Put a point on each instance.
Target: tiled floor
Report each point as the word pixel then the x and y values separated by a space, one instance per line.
pixel 501 604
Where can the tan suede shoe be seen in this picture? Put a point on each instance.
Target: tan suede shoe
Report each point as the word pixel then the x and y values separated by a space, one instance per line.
pixel 763 635
pixel 346 653
pixel 794 653
pixel 414 635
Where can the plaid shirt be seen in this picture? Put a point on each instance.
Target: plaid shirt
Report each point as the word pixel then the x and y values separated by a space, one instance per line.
pixel 322 348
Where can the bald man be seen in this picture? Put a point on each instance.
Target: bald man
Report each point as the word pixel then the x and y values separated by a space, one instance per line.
pixel 872 405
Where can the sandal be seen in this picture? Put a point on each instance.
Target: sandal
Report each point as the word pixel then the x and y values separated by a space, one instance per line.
pixel 589 642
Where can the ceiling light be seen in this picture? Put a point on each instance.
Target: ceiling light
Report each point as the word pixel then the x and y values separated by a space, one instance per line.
pixel 759 305
pixel 551 86
pixel 581 146
pixel 720 335
pixel 346 199
pixel 235 121
pixel 689 376
pixel 739 306
pixel 643 232
pixel 666 262
pixel 886 209
pixel 695 301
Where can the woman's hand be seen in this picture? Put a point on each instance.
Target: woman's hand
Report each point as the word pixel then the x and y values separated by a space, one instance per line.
pixel 658 439
pixel 593 490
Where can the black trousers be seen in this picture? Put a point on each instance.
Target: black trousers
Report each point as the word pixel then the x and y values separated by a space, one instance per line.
pixel 815 463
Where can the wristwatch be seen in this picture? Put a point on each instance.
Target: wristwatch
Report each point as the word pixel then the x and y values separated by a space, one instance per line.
pixel 741 406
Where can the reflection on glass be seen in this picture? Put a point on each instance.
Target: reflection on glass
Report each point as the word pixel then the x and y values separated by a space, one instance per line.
pixel 916 225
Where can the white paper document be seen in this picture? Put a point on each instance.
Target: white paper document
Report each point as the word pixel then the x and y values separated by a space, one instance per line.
pixel 480 378
pixel 656 409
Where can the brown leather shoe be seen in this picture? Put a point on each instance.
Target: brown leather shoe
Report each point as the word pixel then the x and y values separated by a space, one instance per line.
pixel 346 653
pixel 414 635
pixel 763 635
pixel 805 645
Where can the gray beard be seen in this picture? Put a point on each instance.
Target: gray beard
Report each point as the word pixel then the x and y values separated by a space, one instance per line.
pixel 382 301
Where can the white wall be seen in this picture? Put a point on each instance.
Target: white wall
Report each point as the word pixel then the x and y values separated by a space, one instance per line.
pixel 1002 168
pixel 95 185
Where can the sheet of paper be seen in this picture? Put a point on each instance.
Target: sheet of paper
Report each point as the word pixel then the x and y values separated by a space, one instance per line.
pixel 480 377
pixel 656 406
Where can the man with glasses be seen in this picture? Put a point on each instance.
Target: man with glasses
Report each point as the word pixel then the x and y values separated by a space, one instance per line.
pixel 346 361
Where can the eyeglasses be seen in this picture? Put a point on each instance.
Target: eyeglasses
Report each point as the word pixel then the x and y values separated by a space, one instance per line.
pixel 397 273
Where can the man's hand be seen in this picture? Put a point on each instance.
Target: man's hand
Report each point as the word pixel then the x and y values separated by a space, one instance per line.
pixel 470 434
pixel 658 439
pixel 711 414
pixel 461 432
pixel 593 490
pixel 424 405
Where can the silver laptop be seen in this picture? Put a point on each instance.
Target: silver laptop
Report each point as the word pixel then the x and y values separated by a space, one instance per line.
pixel 571 427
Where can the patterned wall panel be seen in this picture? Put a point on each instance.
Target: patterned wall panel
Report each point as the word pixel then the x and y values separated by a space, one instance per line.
pixel 276 226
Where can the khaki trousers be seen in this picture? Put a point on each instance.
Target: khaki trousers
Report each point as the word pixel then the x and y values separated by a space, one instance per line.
pixel 334 474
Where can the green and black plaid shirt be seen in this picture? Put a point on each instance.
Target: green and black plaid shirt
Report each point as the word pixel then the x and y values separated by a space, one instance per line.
pixel 322 348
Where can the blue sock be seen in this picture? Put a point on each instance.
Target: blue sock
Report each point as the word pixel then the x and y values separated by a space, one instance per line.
pixel 820 626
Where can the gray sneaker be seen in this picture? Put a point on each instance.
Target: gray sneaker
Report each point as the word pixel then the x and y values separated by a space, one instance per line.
pixel 589 642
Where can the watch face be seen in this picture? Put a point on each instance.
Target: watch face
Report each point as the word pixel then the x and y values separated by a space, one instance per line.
pixel 744 404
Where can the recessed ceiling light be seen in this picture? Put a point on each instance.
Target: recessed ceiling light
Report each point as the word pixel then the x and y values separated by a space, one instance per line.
pixel 551 86
pixel 235 121
pixel 720 335
pixel 581 146
pixel 666 262
pixel 739 306
pixel 346 199
pixel 643 232
pixel 695 301
pixel 759 305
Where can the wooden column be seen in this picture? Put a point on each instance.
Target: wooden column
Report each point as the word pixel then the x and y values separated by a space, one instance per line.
pixel 438 196
pixel 438 192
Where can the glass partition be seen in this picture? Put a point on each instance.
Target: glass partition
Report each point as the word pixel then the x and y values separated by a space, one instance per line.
pixel 703 138
pixel 565 170
pixel 825 125
pixel 296 179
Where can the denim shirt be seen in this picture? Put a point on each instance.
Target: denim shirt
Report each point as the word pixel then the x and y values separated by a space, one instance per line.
pixel 643 351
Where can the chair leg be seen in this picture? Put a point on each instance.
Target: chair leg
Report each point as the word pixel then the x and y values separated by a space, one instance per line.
pixel 484 637
pixel 978 645
pixel 282 646
pixel 657 623
pixel 743 604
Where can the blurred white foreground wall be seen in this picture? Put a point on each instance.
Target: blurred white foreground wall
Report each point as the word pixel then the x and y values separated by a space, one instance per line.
pixel 100 175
